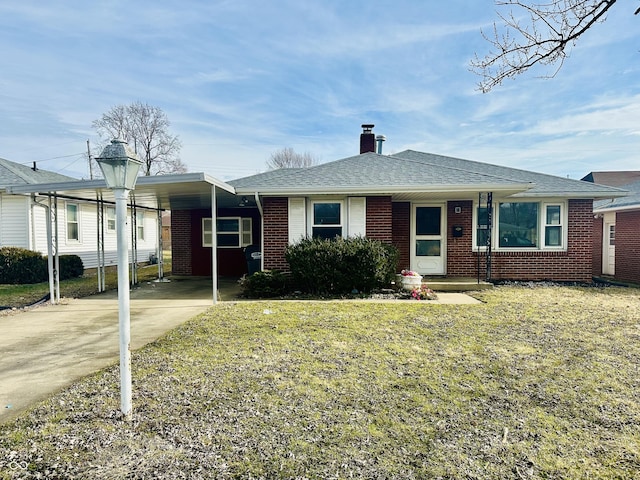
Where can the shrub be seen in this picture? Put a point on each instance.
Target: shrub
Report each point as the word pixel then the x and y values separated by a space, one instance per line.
pixel 341 266
pixel 71 266
pixel 265 284
pixel 20 266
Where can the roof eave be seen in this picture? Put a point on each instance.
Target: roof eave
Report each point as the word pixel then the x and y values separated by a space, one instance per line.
pixel 616 208
pixel 385 189
pixel 592 195
pixel 44 188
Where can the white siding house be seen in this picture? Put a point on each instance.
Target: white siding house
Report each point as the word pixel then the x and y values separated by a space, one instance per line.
pixel 23 220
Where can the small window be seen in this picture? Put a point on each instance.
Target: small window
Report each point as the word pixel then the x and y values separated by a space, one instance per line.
pixel 140 225
pixel 207 236
pixel 327 220
pixel 553 226
pixel 232 232
pixel 73 225
pixel 482 226
pixel 612 235
pixel 111 219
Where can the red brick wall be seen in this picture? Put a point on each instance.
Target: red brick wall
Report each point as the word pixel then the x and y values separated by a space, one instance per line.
pixel 628 246
pixel 379 218
pixel 461 261
pixel 276 232
pixel 401 232
pixel 181 242
pixel 574 265
pixel 598 225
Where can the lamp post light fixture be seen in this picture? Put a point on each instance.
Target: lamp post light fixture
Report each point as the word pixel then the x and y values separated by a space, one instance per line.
pixel 120 167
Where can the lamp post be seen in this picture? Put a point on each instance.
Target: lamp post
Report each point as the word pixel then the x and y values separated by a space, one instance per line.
pixel 120 166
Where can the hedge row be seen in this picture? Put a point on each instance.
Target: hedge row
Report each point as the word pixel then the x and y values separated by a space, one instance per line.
pixel 21 266
pixel 341 266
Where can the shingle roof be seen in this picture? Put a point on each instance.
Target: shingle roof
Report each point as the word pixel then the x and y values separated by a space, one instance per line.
pixel 369 170
pixel 544 184
pixel 12 173
pixel 613 178
pixel 630 201
pixel 415 171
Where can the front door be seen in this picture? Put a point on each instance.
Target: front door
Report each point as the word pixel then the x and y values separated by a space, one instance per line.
pixel 428 242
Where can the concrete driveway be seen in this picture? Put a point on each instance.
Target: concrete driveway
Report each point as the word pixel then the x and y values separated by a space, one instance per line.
pixel 46 348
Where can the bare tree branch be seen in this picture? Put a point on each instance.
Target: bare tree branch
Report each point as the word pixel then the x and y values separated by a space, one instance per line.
pixel 145 128
pixel 289 158
pixel 538 33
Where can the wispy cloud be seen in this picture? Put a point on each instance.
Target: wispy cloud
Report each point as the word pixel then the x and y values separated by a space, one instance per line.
pixel 240 79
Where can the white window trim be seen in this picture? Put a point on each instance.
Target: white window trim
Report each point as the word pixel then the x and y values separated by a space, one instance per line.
pixel 542 218
pixel 78 222
pixel 342 224
pixel 564 221
pixel 107 210
pixel 241 231
pixel 140 225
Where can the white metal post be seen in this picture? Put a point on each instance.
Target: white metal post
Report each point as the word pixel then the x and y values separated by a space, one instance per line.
pixel 121 196
pixel 214 244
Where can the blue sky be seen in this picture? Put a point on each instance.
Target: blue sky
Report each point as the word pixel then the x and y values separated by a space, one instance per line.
pixel 241 79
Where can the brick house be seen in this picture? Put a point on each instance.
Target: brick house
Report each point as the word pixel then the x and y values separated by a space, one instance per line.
pixel 616 245
pixel 447 216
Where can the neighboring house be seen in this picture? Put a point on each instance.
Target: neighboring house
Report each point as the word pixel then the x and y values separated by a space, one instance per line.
pixel 447 216
pixel 23 219
pixel 616 233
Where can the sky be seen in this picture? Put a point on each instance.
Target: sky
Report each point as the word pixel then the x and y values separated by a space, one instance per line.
pixel 242 79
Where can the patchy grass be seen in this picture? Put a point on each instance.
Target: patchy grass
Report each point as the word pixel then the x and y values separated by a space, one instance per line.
pixel 534 383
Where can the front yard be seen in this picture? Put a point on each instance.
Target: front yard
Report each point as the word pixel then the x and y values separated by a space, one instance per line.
pixel 536 382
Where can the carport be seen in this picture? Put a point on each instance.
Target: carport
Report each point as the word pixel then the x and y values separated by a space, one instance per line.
pixel 189 191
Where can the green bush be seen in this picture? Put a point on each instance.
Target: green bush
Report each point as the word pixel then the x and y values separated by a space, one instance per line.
pixel 71 266
pixel 341 266
pixel 20 266
pixel 266 284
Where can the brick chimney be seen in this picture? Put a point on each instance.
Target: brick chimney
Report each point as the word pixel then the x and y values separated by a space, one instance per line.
pixel 367 139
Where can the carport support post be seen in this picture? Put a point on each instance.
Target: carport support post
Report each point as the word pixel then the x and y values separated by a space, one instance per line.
pixel 214 244
pixel 121 196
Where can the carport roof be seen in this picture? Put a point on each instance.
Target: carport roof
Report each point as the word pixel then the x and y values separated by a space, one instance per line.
pixel 187 191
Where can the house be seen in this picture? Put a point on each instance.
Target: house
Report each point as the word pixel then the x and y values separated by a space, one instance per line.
pixel 24 218
pixel 447 216
pixel 616 241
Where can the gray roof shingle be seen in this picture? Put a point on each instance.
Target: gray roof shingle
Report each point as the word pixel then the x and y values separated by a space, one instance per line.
pixel 630 201
pixel 12 173
pixel 412 171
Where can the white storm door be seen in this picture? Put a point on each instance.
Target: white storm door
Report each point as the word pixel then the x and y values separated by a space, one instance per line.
pixel 609 250
pixel 428 240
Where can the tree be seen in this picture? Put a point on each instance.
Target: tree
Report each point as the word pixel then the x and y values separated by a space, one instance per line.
pixel 289 158
pixel 146 129
pixel 536 33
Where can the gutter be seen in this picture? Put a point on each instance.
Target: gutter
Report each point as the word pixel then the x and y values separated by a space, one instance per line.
pixel 386 189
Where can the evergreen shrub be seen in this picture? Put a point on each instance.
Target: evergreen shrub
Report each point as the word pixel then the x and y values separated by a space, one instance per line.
pixel 341 266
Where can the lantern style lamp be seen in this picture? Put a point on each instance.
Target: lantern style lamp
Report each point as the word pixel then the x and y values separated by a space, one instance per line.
pixel 120 167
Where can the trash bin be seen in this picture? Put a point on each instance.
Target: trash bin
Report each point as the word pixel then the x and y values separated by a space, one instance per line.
pixel 253 256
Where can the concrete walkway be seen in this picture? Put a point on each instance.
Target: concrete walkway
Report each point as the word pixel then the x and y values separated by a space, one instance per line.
pixel 46 348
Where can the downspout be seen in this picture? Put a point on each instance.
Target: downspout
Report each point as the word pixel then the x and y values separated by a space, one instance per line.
pixel 256 195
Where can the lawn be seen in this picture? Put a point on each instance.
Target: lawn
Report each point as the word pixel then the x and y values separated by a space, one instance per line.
pixel 534 383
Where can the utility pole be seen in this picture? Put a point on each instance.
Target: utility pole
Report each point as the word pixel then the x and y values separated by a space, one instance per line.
pixel 89 157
